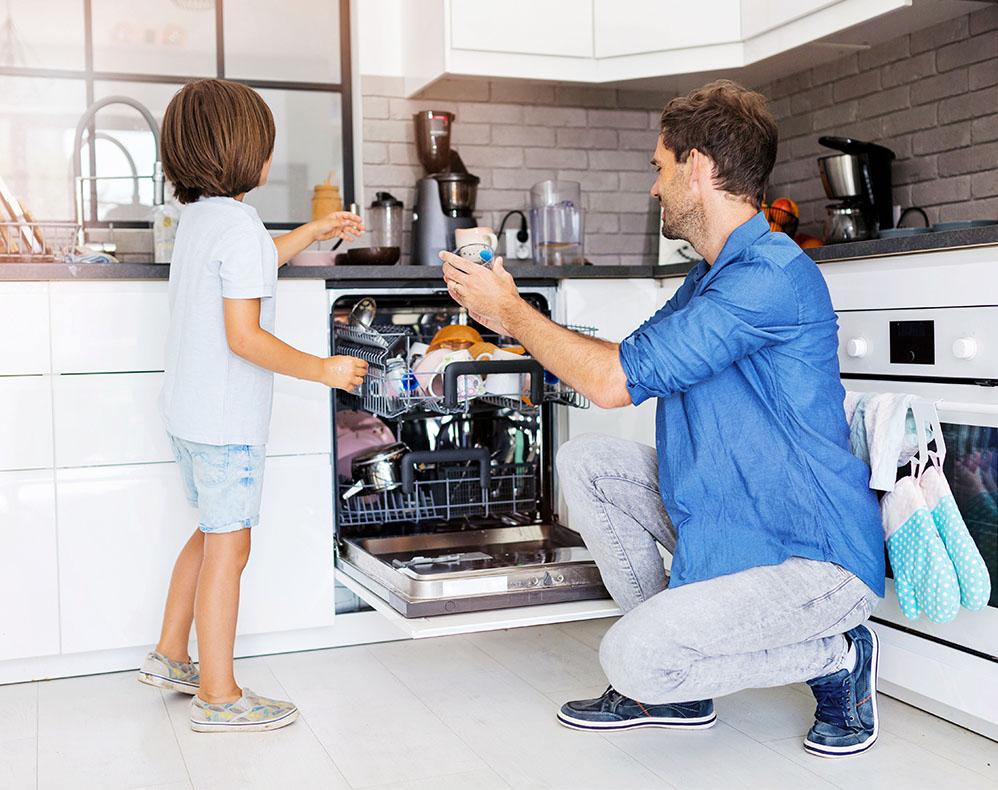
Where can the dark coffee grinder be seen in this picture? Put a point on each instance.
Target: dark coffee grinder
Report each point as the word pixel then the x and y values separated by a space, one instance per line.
pixel 445 196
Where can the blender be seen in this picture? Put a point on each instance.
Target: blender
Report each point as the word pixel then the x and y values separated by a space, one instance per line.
pixel 445 196
pixel 383 222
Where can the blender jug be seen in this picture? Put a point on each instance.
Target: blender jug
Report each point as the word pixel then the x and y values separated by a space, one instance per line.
pixel 384 220
pixel 556 223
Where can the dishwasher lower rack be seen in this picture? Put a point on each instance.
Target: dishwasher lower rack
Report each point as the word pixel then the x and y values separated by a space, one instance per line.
pixel 455 492
pixel 391 390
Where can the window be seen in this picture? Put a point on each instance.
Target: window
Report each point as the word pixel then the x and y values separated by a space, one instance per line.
pixel 145 50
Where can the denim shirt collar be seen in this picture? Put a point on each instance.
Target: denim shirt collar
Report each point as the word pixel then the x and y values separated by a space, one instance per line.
pixel 737 242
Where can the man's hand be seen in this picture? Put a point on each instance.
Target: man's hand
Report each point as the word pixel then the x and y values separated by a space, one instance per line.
pixel 339 224
pixel 489 295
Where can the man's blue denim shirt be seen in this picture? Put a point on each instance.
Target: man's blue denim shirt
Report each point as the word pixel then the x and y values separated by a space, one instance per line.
pixel 753 445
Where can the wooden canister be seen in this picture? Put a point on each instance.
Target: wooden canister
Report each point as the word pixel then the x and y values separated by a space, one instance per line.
pixel 325 200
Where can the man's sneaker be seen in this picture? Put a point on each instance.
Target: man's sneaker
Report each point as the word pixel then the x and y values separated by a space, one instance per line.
pixel 249 713
pixel 614 711
pixel 158 670
pixel 846 720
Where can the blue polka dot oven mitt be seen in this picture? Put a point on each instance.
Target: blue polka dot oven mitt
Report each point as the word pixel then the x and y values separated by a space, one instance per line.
pixel 924 576
pixel 971 571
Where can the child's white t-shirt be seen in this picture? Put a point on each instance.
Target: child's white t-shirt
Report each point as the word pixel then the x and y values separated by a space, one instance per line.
pixel 211 395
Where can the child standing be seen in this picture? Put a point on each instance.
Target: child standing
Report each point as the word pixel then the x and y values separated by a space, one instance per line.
pixel 217 143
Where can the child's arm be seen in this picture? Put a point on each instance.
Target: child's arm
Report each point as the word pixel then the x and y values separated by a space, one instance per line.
pixel 248 340
pixel 340 224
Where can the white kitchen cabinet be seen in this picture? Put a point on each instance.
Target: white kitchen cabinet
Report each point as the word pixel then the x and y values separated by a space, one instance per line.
pixel 109 419
pixel 608 41
pixel 106 327
pixel 550 27
pixel 25 422
pixel 120 530
pixel 616 308
pixel 678 27
pixel 29 623
pixel 301 420
pixel 24 329
pixel 288 583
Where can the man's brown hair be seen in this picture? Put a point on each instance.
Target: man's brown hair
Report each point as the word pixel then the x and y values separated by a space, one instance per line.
pixel 731 125
pixel 217 135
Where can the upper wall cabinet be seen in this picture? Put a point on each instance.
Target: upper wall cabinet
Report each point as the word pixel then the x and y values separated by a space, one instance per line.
pixel 617 41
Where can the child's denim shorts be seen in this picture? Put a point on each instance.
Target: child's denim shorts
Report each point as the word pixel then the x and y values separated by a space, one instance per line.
pixel 224 482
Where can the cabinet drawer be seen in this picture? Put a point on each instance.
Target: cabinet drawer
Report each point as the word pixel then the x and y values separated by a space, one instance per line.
pixel 109 419
pixel 120 530
pixel 25 422
pixel 24 329
pixel 100 327
pixel 29 586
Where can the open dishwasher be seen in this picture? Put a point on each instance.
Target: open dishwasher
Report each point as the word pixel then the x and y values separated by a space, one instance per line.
pixel 445 491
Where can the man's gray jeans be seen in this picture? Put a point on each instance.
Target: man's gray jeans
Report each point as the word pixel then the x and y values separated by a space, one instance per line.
pixel 765 626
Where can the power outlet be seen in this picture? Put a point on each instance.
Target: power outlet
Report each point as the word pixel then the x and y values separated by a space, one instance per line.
pixel 515 250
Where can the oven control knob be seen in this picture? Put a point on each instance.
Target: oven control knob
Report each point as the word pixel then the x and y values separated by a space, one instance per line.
pixel 964 348
pixel 857 347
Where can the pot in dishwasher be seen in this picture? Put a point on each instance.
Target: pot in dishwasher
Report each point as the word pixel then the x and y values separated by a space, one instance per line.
pixel 472 524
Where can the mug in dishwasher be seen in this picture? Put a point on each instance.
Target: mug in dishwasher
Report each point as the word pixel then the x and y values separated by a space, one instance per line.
pixel 510 385
pixel 429 373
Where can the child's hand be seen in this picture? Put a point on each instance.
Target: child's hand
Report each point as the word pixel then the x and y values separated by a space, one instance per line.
pixel 339 224
pixel 343 372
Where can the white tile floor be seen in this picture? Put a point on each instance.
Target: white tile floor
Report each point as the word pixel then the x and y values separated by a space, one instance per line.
pixel 452 713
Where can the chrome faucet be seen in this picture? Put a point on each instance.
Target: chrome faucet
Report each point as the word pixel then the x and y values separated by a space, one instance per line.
pixel 158 179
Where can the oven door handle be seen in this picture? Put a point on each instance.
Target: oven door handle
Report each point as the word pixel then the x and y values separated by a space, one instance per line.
pixel 411 460
pixel 529 366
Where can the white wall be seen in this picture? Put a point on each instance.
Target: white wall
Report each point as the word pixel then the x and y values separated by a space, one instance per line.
pixel 379 37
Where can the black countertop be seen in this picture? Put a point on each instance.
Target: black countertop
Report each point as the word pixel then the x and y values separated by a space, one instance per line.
pixel 527 272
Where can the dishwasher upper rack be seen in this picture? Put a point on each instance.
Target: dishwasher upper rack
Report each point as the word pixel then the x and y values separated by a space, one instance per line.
pixel 456 492
pixel 385 394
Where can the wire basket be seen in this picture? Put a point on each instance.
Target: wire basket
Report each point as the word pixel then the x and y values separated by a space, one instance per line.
pixel 392 389
pixel 781 220
pixel 456 492
pixel 37 242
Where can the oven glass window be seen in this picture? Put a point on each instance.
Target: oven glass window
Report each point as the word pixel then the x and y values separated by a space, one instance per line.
pixel 971 467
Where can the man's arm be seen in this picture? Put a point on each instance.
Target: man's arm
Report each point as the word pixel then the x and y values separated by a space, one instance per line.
pixel 589 365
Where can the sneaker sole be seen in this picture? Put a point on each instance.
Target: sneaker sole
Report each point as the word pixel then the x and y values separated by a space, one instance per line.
pixel 166 683
pixel 226 726
pixel 702 723
pixel 833 752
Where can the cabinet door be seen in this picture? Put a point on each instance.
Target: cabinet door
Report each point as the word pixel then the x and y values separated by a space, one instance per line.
pixel 301 419
pixel 548 27
pixel 109 419
pixel 645 26
pixel 120 530
pixel 24 329
pixel 105 327
pixel 616 308
pixel 29 625
pixel 288 583
pixel 25 422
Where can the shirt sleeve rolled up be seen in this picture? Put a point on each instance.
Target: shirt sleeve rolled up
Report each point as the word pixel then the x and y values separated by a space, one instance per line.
pixel 745 308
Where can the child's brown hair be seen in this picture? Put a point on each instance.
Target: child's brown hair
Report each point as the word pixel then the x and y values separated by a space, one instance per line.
pixel 217 136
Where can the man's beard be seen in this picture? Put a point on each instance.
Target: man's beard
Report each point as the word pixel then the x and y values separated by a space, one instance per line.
pixel 683 220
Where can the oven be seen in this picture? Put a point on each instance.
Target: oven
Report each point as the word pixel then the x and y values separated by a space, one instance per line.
pixel 948 355
pixel 464 516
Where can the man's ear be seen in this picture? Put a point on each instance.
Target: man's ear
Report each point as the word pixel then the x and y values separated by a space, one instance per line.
pixel 701 173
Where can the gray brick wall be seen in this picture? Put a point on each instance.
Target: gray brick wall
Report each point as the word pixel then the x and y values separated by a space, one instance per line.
pixel 931 96
pixel 512 135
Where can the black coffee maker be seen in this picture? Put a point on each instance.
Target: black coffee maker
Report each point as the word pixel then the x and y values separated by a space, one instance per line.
pixel 445 196
pixel 859 178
